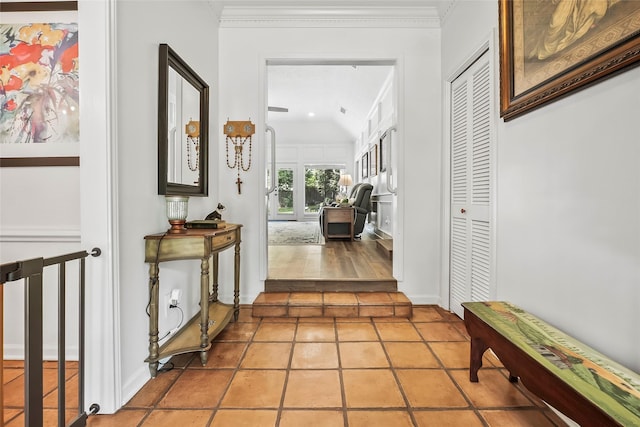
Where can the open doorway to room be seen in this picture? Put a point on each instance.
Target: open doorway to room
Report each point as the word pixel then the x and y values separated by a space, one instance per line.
pixel 325 114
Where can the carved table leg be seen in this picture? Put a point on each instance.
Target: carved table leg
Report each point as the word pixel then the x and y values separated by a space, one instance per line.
pixel 154 294
pixel 214 286
pixel 204 309
pixel 236 280
pixel 478 347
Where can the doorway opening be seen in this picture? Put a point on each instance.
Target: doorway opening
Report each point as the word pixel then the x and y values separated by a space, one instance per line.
pixel 322 112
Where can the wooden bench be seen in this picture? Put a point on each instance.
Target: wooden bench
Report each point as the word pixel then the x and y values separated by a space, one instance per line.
pixel 569 375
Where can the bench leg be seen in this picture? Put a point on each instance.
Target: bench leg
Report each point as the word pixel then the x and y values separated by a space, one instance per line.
pixel 478 347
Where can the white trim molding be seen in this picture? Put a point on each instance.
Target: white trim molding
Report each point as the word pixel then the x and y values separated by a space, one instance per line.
pixel 99 226
pixel 40 234
pixel 329 17
pixel 446 7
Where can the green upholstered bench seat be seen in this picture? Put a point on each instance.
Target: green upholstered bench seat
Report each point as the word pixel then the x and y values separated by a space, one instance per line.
pixel 571 376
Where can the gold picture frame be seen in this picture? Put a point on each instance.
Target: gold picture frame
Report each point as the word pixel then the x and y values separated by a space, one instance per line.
pixel 543 58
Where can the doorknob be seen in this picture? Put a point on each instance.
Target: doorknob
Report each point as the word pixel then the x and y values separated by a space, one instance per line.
pixel 463 210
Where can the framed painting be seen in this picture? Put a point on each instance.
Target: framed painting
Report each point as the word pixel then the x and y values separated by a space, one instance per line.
pixel 381 155
pixel 550 49
pixel 373 160
pixel 365 165
pixel 39 74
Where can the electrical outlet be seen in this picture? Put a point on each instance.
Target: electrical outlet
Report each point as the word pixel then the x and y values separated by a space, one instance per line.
pixel 175 297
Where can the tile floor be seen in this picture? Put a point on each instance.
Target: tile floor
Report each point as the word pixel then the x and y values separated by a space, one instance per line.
pixel 322 372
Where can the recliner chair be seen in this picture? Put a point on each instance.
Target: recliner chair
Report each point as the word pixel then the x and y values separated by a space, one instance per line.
pixel 361 195
pixel 362 205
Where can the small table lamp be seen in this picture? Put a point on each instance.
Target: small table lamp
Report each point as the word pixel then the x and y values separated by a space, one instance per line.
pixel 177 209
pixel 345 181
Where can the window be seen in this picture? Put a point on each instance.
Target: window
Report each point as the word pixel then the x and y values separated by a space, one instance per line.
pixel 320 186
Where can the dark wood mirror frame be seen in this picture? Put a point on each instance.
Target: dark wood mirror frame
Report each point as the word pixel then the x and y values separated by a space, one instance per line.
pixel 169 59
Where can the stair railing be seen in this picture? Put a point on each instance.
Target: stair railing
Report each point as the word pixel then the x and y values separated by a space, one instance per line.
pixel 31 271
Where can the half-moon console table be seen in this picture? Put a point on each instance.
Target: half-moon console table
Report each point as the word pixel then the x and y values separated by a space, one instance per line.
pixel 202 244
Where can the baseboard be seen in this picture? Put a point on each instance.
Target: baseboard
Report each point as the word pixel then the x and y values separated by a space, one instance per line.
pixel 16 352
pixel 133 385
pixel 422 299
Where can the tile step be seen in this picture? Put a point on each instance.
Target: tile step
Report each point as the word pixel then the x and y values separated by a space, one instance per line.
pixel 332 304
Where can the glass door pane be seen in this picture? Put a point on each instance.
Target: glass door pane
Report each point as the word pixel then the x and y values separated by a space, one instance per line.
pixel 281 201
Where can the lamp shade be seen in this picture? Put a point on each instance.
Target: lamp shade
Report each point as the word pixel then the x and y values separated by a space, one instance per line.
pixel 177 210
pixel 345 180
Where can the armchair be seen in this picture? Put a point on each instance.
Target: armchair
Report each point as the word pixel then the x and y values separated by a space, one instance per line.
pixel 362 206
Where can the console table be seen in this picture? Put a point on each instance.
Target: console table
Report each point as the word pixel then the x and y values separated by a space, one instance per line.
pixel 202 244
pixel 338 222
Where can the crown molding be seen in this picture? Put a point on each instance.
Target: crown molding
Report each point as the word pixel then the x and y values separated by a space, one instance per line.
pixel 446 8
pixel 329 16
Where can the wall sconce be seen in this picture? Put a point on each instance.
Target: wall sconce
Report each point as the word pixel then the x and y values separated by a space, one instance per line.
pixel 238 133
pixel 192 129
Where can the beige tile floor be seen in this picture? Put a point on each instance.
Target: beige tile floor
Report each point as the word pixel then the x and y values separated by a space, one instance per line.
pixel 322 372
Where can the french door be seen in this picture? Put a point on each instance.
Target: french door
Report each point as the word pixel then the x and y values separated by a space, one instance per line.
pixel 471 221
pixel 282 205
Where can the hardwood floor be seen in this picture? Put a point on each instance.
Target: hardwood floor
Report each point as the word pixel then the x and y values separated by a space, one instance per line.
pixel 336 265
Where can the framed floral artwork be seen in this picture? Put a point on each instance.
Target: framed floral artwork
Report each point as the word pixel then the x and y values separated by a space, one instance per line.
pixel 39 76
pixel 550 49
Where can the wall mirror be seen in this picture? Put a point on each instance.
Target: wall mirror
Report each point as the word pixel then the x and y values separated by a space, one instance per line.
pixel 183 127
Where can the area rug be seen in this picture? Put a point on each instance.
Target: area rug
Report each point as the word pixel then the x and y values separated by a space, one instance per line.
pixel 293 232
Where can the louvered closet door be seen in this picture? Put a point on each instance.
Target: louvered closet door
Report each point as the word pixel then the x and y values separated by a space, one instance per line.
pixel 471 245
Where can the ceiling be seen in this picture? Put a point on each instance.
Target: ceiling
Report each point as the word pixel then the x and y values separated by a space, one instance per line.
pixel 340 94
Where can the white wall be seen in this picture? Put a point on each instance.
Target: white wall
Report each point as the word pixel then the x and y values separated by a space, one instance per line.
pixel 243 52
pixel 46 223
pixel 141 210
pixel 568 201
pixel 380 119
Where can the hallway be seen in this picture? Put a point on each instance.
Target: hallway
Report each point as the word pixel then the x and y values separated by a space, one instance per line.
pixel 329 372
